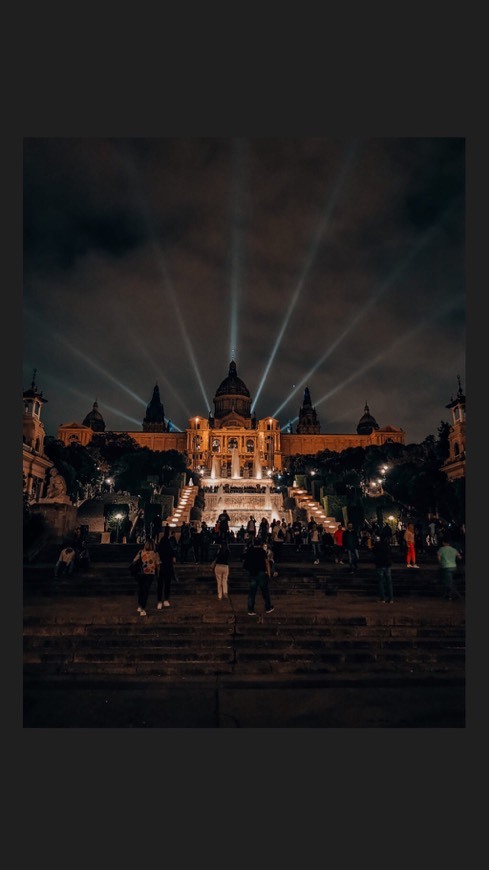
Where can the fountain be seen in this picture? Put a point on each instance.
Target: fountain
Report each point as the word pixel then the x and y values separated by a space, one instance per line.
pixel 215 467
pixel 235 464
pixel 240 495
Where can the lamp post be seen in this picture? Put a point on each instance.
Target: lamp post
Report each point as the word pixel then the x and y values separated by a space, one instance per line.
pixel 118 518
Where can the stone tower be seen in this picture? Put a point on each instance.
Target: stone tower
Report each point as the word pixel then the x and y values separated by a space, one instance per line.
pixel 308 421
pixel 154 420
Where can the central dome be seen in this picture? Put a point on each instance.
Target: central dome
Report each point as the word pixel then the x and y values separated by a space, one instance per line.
pixel 232 385
pixel 232 397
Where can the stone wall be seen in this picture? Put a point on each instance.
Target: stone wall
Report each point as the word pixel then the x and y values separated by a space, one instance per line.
pixel 60 519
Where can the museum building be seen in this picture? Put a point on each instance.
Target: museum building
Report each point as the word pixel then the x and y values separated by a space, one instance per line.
pixel 232 434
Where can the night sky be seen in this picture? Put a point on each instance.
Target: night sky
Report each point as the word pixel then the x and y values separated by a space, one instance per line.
pixel 323 262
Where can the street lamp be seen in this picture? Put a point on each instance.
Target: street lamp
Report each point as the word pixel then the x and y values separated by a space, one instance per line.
pixel 118 517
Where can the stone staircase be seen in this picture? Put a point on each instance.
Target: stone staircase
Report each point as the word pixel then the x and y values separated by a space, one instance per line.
pixel 329 654
pixel 109 573
pixel 314 511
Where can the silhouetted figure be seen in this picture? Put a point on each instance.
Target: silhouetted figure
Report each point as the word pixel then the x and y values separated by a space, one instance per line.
pixel 223 520
pixel 350 545
pixel 382 555
pixel 166 574
pixel 258 566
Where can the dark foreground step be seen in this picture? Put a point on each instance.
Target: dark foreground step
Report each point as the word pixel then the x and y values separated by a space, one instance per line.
pixel 317 660
pixel 231 701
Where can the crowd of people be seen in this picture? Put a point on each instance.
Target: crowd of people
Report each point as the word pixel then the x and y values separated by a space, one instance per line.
pixel 380 544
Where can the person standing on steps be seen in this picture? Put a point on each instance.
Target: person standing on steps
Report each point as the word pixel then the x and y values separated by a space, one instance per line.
pixel 338 544
pixel 220 566
pixel 205 542
pixel 258 566
pixel 251 529
pixel 150 566
pixel 409 538
pixel 314 540
pixel 223 520
pixel 382 555
pixel 447 557
pixel 350 544
pixel 185 543
pixel 166 574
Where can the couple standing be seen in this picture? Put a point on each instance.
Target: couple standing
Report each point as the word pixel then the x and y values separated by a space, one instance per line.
pixel 157 561
pixel 256 563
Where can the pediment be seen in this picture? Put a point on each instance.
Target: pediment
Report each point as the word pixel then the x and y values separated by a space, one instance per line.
pixel 232 421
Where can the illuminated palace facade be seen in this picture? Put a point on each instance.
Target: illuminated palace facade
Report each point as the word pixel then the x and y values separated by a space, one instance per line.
pixel 232 434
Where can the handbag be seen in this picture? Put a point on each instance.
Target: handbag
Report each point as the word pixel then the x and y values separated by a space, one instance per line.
pixel 136 567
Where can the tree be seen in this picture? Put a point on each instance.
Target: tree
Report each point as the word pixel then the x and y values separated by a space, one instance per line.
pixel 107 447
pixel 443 443
pixel 74 463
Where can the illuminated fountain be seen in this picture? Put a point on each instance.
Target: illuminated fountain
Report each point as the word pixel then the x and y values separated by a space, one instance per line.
pixel 215 467
pixel 241 496
pixel 235 473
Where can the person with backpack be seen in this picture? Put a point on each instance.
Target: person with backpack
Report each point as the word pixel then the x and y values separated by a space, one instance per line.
pixel 150 565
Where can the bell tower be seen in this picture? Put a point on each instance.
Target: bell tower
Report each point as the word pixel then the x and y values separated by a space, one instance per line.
pixel 33 429
pixel 308 420
pixel 455 465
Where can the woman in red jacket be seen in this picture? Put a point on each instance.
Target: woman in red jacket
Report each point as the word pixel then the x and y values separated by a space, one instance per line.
pixel 338 544
pixel 410 550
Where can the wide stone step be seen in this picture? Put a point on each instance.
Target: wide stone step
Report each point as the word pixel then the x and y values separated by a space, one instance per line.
pixel 187 649
pixel 95 640
pixel 120 553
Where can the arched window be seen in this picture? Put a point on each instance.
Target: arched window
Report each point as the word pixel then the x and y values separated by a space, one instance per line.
pixel 216 445
pixel 250 446
pixel 232 443
pixel 456 448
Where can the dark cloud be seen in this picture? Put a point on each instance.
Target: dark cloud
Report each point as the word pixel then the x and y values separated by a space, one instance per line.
pixel 344 259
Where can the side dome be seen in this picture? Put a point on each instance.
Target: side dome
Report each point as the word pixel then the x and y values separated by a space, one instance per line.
pixel 95 420
pixel 367 423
